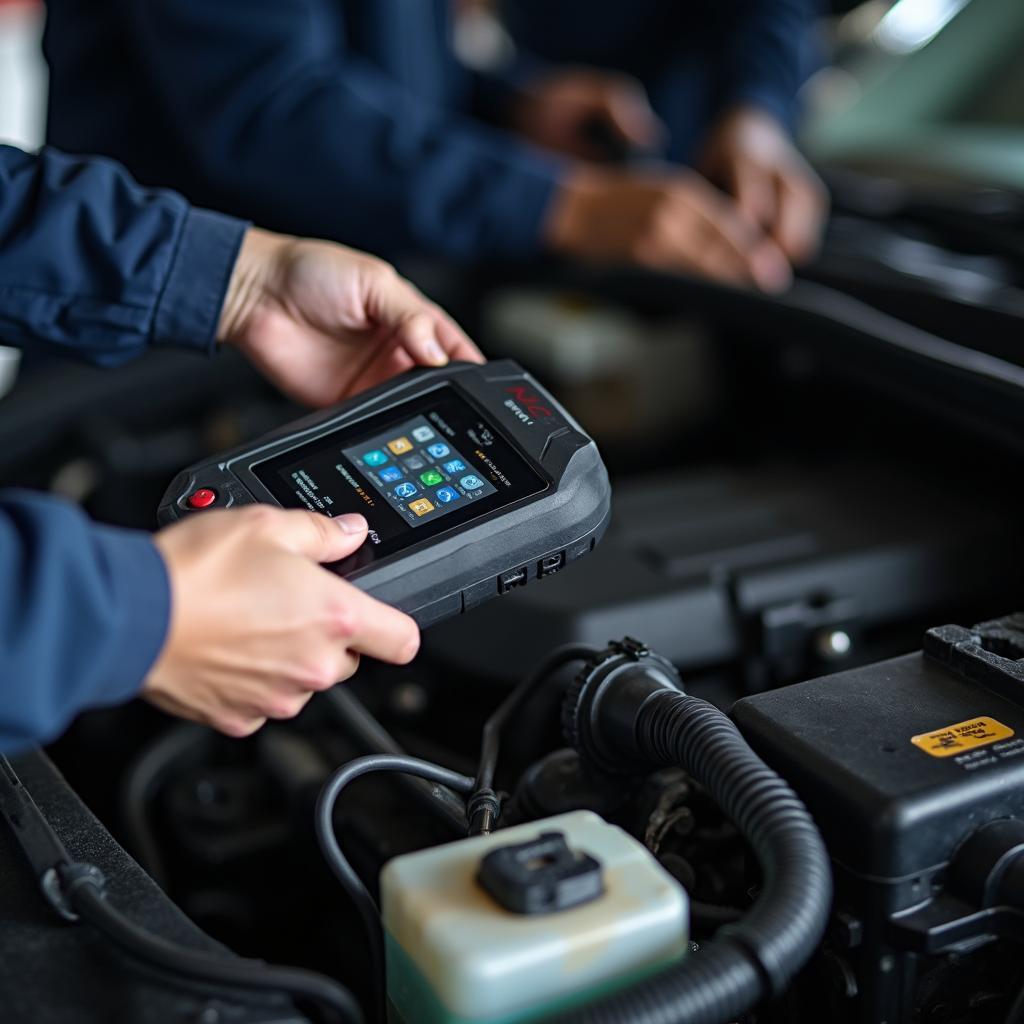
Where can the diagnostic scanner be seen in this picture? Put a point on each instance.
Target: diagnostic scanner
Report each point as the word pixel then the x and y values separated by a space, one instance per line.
pixel 473 478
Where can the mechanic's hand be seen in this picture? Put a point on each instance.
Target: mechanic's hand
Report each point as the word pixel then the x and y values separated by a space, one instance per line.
pixel 570 109
pixel 323 321
pixel 670 220
pixel 257 625
pixel 752 157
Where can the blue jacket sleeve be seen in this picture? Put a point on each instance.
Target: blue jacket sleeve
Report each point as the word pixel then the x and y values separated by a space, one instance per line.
pixel 760 51
pixel 770 54
pixel 83 614
pixel 93 265
pixel 284 121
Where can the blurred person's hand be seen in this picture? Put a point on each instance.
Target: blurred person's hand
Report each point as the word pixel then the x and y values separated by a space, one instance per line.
pixel 572 110
pixel 669 220
pixel 257 624
pixel 323 321
pixel 752 157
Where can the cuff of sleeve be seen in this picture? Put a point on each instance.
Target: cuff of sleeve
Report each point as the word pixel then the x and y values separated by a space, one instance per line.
pixel 531 195
pixel 189 307
pixel 144 592
pixel 782 108
pixel 495 92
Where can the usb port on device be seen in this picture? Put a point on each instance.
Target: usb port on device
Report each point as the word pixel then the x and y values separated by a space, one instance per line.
pixel 511 579
pixel 550 565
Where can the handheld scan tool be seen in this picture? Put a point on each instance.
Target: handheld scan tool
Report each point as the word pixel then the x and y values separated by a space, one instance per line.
pixel 474 481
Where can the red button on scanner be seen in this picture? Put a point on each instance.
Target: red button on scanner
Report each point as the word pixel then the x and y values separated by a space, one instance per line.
pixel 204 497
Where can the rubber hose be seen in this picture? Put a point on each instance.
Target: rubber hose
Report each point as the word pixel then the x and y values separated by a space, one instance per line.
pixel 758 955
pixel 222 972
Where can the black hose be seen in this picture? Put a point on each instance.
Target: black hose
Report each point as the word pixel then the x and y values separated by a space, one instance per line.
pixel 336 858
pixel 361 726
pixel 713 915
pixel 87 899
pixel 143 779
pixel 483 805
pixel 642 716
pixel 76 892
pixel 785 925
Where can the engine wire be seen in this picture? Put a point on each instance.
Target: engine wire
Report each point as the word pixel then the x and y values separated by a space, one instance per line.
pixel 484 805
pixel 76 891
pixel 335 856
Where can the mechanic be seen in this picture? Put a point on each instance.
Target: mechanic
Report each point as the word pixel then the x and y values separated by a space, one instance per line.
pixel 274 111
pixel 227 619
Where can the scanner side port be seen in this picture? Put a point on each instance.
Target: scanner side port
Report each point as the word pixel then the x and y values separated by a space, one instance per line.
pixel 550 565
pixel 510 580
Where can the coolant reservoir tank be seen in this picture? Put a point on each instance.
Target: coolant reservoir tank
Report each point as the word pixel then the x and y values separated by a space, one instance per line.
pixel 526 922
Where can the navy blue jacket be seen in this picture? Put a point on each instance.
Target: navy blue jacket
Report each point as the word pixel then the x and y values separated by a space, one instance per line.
pixel 91 265
pixel 351 119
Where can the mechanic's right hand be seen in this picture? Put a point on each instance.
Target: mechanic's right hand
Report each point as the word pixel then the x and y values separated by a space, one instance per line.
pixel 556 109
pixel 257 624
pixel 669 220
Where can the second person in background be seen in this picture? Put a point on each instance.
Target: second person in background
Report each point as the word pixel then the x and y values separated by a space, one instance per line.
pixel 352 119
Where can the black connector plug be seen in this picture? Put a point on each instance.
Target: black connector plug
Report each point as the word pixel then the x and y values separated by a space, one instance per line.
pixel 602 705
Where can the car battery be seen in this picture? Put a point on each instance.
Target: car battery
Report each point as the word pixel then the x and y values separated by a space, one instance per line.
pixel 914 771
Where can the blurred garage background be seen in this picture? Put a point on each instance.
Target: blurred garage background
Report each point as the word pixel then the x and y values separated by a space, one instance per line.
pixel 790 470
pixel 804 483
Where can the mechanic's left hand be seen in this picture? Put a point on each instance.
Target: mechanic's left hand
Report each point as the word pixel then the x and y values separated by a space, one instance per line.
pixel 561 111
pixel 752 157
pixel 323 321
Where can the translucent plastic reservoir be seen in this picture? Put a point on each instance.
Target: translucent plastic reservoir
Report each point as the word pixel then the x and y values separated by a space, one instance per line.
pixel 456 955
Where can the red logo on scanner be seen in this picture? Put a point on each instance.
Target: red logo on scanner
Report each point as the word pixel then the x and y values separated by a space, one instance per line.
pixel 530 402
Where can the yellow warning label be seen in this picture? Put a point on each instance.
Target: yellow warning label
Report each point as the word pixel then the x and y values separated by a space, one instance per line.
pixel 955 739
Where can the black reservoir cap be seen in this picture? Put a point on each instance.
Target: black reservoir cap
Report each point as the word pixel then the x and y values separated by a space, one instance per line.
pixel 542 876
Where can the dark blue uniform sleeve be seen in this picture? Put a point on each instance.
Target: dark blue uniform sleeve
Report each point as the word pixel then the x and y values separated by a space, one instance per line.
pixel 770 53
pixel 757 51
pixel 287 123
pixel 90 265
pixel 83 614
pixel 95 266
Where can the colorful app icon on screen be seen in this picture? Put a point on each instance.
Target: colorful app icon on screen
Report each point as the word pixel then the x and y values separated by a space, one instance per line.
pixel 447 494
pixel 455 466
pixel 421 506
pixel 413 462
pixel 389 474
pixel 431 477
pixel 422 434
pixel 375 458
pixel 439 451
pixel 400 445
pixel 471 482
pixel 405 490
